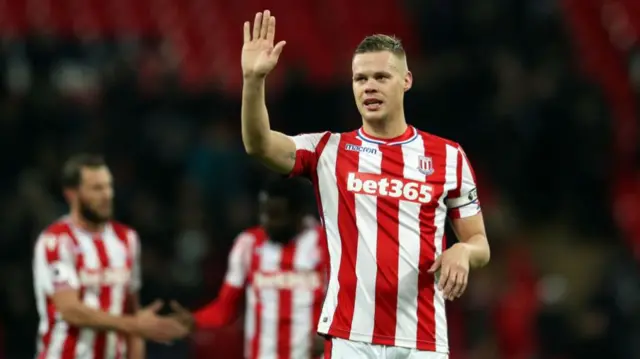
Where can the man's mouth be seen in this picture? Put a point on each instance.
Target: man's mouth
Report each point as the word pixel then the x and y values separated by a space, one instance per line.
pixel 372 104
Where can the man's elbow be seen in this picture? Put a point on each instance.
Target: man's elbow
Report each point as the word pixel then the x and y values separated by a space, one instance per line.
pixel 254 150
pixel 484 256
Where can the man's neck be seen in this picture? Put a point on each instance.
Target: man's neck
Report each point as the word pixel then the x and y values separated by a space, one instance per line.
pixel 85 225
pixel 389 128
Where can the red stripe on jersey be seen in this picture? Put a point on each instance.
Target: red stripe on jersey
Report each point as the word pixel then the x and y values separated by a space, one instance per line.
pixel 387 251
pixel 328 347
pixel 71 341
pixel 346 162
pixel 314 174
pixel 426 336
pixel 286 305
pixel 255 267
pixel 104 298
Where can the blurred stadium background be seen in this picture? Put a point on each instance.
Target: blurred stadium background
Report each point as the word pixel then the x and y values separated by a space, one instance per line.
pixel 543 94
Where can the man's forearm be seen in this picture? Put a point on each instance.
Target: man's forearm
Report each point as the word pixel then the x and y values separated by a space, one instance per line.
pixel 479 252
pixel 255 118
pixel 85 317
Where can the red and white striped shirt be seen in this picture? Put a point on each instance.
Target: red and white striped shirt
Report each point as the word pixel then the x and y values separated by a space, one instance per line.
pixel 103 267
pixel 384 204
pixel 284 286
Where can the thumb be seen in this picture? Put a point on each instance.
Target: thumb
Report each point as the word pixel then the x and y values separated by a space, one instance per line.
pixel 155 306
pixel 277 50
pixel 436 265
pixel 176 307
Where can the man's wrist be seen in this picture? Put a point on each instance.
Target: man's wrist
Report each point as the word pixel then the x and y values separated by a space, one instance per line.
pixel 253 78
pixel 129 325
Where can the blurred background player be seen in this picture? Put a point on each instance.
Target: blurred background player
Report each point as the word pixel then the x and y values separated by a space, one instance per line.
pixel 386 191
pixel 87 276
pixel 280 265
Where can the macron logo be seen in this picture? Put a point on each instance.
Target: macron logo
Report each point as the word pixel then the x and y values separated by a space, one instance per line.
pixel 356 148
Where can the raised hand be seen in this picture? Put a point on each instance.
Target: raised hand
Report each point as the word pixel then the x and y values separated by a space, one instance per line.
pixel 259 55
pixel 453 267
pixel 149 325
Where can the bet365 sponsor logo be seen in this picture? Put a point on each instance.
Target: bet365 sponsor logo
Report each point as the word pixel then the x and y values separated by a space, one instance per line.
pixel 287 280
pixel 377 185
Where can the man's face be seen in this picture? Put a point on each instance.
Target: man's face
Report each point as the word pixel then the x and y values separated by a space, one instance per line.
pixel 95 194
pixel 277 219
pixel 380 80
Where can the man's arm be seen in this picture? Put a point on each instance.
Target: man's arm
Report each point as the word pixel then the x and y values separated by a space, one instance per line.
pixel 466 217
pixel 259 57
pixel 471 234
pixel 276 150
pixel 224 309
pixel 74 312
pixel 56 275
pixel 452 267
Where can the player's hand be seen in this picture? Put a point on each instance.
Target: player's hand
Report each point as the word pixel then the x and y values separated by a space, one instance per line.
pixel 151 326
pixel 453 265
pixel 259 55
pixel 182 315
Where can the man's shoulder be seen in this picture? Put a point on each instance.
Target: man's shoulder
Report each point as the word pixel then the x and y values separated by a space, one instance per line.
pixel 250 236
pixel 56 228
pixel 428 136
pixel 55 234
pixel 120 227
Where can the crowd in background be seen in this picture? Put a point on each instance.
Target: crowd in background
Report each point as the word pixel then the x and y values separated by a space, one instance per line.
pixel 499 77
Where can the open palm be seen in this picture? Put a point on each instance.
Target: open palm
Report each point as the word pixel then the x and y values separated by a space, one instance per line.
pixel 259 55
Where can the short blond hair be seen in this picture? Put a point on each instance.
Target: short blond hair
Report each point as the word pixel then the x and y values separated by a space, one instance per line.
pixel 381 42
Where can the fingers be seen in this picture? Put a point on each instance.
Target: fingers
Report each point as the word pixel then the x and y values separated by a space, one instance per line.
pixel 461 285
pixel 169 330
pixel 277 50
pixel 454 283
pixel 436 265
pixel 155 306
pixel 264 28
pixel 271 29
pixel 176 307
pixel 444 277
pixel 257 25
pixel 247 32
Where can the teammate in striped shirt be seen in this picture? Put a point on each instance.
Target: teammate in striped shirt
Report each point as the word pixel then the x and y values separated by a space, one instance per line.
pixel 281 267
pixel 87 275
pixel 385 192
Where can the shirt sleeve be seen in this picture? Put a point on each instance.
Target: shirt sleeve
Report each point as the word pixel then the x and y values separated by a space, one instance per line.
pixel 463 201
pixel 54 263
pixel 308 149
pixel 239 261
pixel 136 254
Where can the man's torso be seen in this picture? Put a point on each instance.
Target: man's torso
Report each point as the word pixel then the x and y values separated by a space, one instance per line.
pixel 383 206
pixel 285 289
pixel 103 277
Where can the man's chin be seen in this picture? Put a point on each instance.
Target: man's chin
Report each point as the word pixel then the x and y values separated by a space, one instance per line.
pixel 373 116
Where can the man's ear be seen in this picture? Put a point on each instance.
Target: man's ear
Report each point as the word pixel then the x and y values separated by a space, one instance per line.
pixel 408 81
